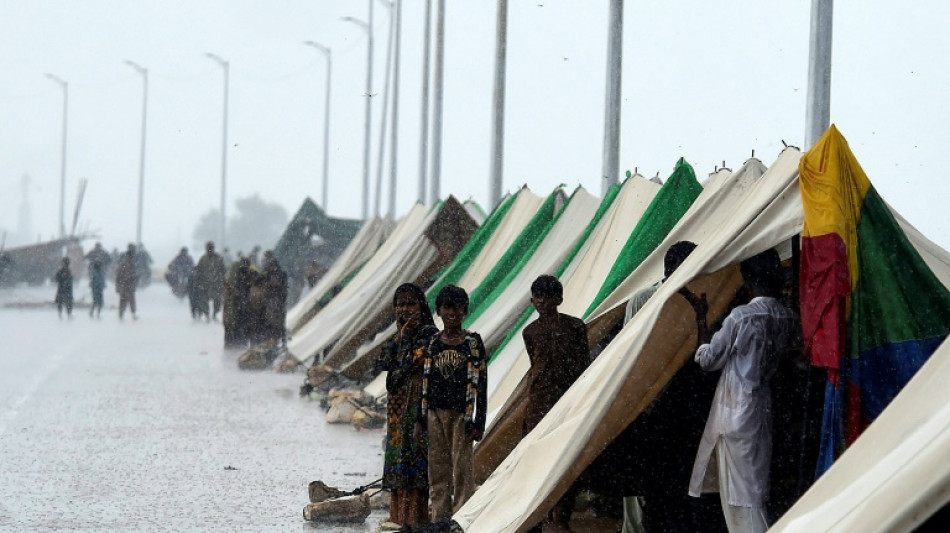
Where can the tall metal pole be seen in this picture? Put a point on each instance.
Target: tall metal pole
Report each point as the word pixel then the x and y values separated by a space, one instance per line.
pixel 498 106
pixel 368 113
pixel 62 165
pixel 424 127
pixel 326 120
pixel 377 200
pixel 144 72
pixel 393 141
pixel 224 151
pixel 435 193
pixel 818 104
pixel 611 166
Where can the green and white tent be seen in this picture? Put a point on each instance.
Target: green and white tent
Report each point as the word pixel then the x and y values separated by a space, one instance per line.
pixel 634 367
pixel 500 300
pixel 655 220
pixel 485 247
pixel 591 262
pixel 513 221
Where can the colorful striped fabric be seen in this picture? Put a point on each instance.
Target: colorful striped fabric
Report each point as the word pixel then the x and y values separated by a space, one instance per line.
pixel 872 311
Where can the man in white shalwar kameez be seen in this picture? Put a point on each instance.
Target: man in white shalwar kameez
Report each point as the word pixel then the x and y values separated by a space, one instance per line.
pixel 738 433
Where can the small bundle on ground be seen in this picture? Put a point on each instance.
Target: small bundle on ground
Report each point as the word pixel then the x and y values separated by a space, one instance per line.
pixel 261 355
pixel 330 504
pixel 343 509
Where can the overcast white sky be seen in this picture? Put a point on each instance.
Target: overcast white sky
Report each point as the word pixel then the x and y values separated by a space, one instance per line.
pixel 709 81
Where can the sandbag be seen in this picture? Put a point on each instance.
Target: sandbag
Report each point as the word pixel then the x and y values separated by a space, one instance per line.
pixel 364 418
pixel 341 413
pixel 352 509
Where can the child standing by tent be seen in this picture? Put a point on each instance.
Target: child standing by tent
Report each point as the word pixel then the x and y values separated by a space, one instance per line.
pixel 559 353
pixel 406 465
pixel 454 400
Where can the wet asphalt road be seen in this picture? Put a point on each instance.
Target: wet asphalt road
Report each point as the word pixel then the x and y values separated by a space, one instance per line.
pixel 148 425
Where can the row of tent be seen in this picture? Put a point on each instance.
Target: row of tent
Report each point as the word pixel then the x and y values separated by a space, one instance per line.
pixel 603 250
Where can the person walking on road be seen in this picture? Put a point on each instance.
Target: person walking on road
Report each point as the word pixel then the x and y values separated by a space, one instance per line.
pixel 97 282
pixel 126 280
pixel 64 289
pixel 209 281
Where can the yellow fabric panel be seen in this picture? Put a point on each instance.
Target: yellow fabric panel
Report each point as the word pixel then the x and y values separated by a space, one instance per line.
pixel 833 186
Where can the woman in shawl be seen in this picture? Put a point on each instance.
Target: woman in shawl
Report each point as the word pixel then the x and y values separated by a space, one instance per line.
pixel 406 467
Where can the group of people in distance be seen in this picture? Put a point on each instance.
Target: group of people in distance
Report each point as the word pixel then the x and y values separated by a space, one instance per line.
pixel 437 398
pixel 126 281
pixel 252 299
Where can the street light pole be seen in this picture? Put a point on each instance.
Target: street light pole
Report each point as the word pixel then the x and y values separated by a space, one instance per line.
pixel 368 27
pixel 437 106
pixel 326 119
pixel 611 163
pixel 498 107
pixel 62 172
pixel 144 72
pixel 424 124
pixel 377 200
pixel 818 104
pixel 224 150
pixel 395 122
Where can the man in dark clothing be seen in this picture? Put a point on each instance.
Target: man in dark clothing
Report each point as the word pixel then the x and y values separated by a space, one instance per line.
pixel 275 298
pixel 239 295
pixel 209 281
pixel 64 289
pixel 179 273
pixel 559 354
pixel 126 280
pixel 98 253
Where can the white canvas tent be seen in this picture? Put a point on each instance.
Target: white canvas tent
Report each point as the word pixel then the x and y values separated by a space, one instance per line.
pixel 626 377
pixel 524 207
pixel 581 279
pixel 360 249
pixel 412 252
pixel 510 301
pixel 894 476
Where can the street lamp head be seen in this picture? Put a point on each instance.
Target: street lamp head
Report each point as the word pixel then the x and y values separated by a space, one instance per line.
pixel 142 70
pixel 57 79
pixel 358 22
pixel 323 48
pixel 217 59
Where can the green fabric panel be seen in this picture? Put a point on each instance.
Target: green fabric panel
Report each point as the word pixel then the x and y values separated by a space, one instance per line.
pixel 605 204
pixel 463 260
pixel 484 302
pixel 516 254
pixel 897 297
pixel 667 207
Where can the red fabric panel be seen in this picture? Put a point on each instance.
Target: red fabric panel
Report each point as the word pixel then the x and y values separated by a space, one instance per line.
pixel 825 287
